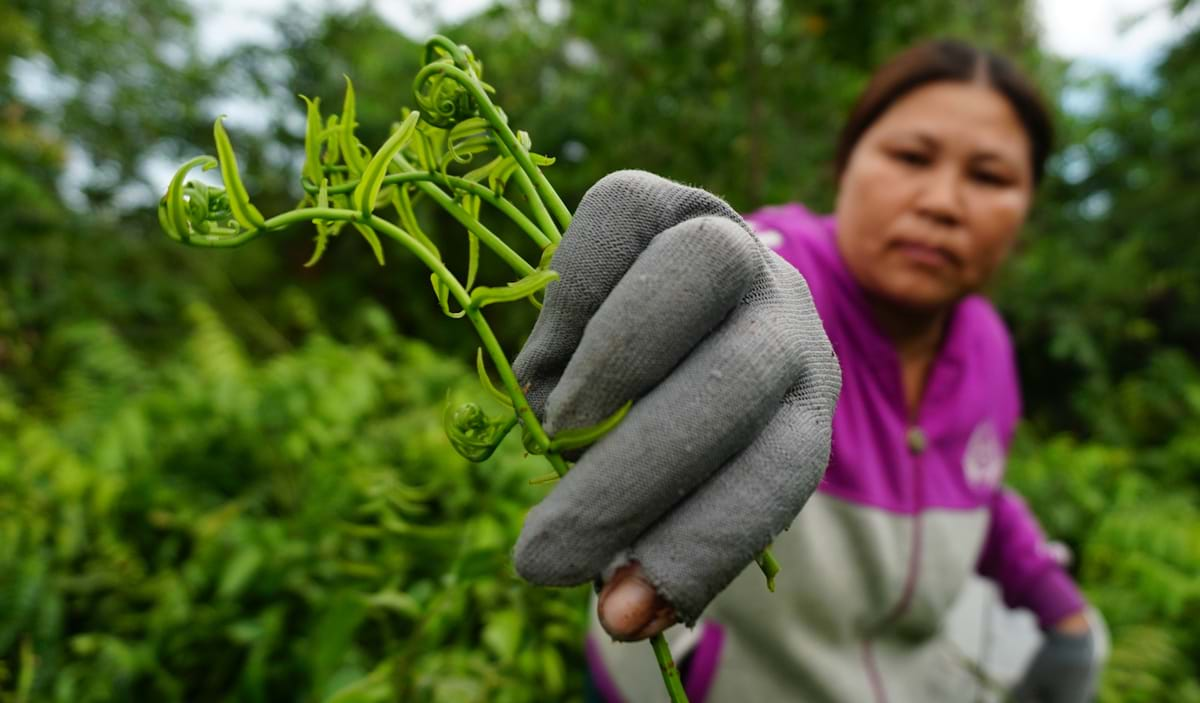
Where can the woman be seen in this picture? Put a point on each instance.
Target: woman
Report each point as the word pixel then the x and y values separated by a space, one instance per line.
pixel 659 301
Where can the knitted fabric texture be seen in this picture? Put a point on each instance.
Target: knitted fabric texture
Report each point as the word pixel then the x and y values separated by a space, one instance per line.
pixel 667 299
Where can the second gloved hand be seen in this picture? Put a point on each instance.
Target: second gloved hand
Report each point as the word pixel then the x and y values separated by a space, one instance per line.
pixel 1063 671
pixel 666 298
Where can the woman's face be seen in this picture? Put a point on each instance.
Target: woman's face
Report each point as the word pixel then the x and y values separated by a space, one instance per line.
pixel 932 197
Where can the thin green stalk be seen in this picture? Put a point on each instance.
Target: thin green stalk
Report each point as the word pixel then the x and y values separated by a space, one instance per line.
pixel 528 420
pixel 477 228
pixel 224 239
pixel 447 45
pixel 670 674
pixel 503 205
pixel 427 257
pixel 558 463
pixel 662 652
pixel 535 203
pixel 308 214
pixel 483 192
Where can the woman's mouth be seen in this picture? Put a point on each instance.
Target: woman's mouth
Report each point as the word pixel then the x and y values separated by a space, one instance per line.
pixel 927 256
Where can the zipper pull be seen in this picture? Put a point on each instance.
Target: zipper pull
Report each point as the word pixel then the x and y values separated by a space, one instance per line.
pixel 916 440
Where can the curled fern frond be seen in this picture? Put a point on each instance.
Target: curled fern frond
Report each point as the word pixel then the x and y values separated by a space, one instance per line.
pixel 444 100
pixel 472 432
pixel 199 214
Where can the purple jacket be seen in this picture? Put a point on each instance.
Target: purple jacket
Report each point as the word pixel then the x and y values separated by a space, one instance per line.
pixel 904 515
pixel 967 416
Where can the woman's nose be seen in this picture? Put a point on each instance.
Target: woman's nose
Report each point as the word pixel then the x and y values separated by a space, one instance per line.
pixel 940 198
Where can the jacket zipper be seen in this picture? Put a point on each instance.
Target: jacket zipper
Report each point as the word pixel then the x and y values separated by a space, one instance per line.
pixel 916 441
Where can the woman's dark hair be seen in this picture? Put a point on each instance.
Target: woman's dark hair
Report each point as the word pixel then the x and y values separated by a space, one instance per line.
pixel 949 60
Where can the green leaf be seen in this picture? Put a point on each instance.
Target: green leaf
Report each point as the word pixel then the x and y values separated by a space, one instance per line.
pixel 238 572
pixel 547 255
pixel 372 239
pixel 472 258
pixel 498 180
pixel 480 564
pixel 322 240
pixel 442 291
pixel 516 290
pixel 349 142
pixel 554 672
pixel 375 687
pixel 323 231
pixel 423 148
pixel 487 381
pixel 246 214
pixel 333 135
pixel 408 219
pixel 581 437
pixel 503 633
pixel 470 128
pixel 543 264
pixel 164 221
pixel 484 171
pixel 397 602
pixel 464 151
pixel 769 566
pixel 27 665
pixel 176 208
pixel 332 635
pixel 372 177
pixel 312 140
pixel 323 194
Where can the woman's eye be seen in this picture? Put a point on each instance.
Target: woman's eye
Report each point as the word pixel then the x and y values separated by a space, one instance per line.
pixel 991 178
pixel 912 158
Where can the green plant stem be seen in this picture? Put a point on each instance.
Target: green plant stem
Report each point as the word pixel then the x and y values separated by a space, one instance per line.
pixel 428 258
pixel 510 257
pixel 308 214
pixel 558 463
pixel 220 238
pixel 541 238
pixel 447 45
pixel 520 405
pixel 662 652
pixel 535 201
pixel 484 193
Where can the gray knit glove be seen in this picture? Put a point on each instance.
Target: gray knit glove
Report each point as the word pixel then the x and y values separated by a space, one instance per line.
pixel 666 298
pixel 1063 671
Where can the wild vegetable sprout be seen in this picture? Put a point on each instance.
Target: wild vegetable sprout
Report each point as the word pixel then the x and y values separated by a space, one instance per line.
pixel 455 125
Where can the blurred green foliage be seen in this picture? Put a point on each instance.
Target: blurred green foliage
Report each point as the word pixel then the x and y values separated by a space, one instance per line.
pixel 213 526
pixel 223 475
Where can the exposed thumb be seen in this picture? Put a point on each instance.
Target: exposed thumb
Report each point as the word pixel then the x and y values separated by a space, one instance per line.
pixel 630 609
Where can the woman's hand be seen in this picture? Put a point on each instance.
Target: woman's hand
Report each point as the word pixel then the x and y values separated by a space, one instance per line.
pixel 1065 668
pixel 667 299
pixel 630 609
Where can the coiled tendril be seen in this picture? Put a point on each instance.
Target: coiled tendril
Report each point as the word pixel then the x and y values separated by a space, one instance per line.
pixel 441 97
pixel 472 432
